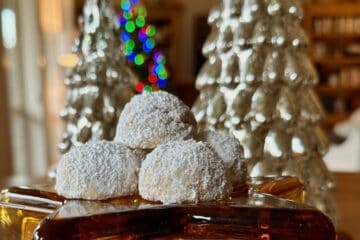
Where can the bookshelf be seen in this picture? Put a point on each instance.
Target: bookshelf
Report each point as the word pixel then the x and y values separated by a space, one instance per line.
pixel 334 33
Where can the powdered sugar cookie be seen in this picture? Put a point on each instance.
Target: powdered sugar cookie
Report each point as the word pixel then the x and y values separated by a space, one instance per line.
pixel 151 119
pixel 183 171
pixel 229 150
pixel 98 170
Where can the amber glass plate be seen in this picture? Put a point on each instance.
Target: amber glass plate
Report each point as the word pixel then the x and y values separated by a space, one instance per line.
pixel 41 214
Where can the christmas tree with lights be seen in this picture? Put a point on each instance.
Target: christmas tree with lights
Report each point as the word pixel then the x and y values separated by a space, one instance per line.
pixel 140 47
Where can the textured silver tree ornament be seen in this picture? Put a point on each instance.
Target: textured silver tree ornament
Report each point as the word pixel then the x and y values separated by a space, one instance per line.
pixel 100 84
pixel 257 83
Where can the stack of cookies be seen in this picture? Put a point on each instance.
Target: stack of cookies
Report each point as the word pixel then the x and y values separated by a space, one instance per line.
pixel 157 153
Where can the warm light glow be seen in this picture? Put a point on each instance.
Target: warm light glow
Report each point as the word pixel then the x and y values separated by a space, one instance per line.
pixel 68 60
pixel 51 19
pixel 4 217
pixel 27 227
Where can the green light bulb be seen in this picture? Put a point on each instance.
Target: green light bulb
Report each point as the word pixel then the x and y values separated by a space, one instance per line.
pixel 140 21
pixel 130 45
pixel 139 59
pixel 150 30
pixel 130 26
pixel 148 88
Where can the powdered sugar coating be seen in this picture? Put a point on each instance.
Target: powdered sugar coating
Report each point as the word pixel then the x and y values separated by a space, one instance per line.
pixel 229 150
pixel 98 170
pixel 183 171
pixel 151 119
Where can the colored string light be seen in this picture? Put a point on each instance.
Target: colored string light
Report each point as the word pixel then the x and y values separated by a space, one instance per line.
pixel 142 36
pixel 162 83
pixel 122 21
pixel 152 78
pixel 130 26
pixel 150 30
pixel 139 87
pixel 125 36
pixel 150 43
pixel 125 5
pixel 148 88
pixel 139 59
pixel 139 44
pixel 131 57
pixel 141 10
pixel 130 45
pixel 140 21
pixel 128 15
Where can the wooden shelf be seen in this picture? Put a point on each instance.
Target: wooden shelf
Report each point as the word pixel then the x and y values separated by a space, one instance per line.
pixel 337 91
pixel 336 37
pixel 333 9
pixel 338 61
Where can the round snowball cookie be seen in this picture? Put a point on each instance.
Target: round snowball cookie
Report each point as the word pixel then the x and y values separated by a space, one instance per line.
pixel 153 118
pixel 183 171
pixel 229 150
pixel 98 170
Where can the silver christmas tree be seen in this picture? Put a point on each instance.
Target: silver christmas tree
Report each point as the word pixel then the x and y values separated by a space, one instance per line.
pixel 257 84
pixel 100 84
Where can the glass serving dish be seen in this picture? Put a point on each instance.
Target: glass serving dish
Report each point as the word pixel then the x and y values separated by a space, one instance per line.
pixel 264 210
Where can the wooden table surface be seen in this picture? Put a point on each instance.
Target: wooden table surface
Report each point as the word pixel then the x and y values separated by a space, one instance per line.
pixel 347 196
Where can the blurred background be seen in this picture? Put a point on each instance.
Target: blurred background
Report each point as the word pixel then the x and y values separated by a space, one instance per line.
pixel 37 36
pixel 35 47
